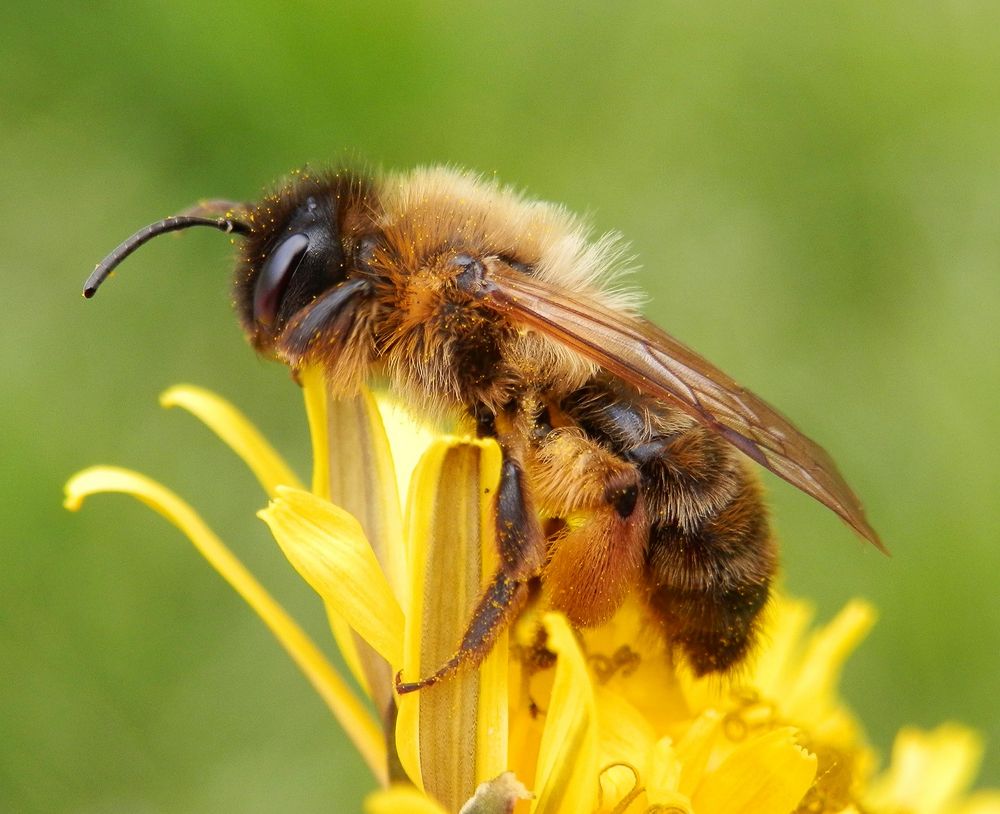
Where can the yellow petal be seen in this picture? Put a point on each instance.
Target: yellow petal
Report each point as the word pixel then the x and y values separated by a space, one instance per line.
pixel 236 431
pixel 637 665
pixel 357 722
pixel 813 692
pixel 765 775
pixel 401 799
pixel 453 735
pixel 776 663
pixel 566 778
pixel 695 748
pixel 353 468
pixel 983 802
pixel 314 393
pixel 492 720
pixel 362 477
pixel 928 770
pixel 528 690
pixel 625 737
pixel 327 547
pixel 408 437
pixel 348 643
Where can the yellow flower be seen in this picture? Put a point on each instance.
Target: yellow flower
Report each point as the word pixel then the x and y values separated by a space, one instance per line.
pixel 598 721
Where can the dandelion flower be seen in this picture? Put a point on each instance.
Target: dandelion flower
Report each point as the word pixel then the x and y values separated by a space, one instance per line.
pixel 556 722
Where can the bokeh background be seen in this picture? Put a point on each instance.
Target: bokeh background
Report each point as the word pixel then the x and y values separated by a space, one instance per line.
pixel 813 191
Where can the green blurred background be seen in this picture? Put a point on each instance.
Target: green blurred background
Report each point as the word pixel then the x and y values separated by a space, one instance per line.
pixel 813 191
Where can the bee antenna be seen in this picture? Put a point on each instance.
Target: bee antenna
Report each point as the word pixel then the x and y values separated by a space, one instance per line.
pixel 147 233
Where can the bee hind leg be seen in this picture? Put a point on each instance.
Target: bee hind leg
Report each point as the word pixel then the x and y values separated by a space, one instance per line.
pixel 597 560
pixel 521 546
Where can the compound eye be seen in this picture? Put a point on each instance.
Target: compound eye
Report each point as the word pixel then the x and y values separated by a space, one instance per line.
pixel 274 276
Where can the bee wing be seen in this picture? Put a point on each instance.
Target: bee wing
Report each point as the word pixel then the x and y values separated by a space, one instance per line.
pixel 658 365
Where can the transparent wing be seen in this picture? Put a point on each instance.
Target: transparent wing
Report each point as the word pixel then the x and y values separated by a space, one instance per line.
pixel 658 365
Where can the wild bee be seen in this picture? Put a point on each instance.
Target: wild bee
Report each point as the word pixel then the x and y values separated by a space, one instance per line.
pixel 469 301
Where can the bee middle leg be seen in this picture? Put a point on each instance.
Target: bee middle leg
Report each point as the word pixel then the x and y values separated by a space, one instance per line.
pixel 521 546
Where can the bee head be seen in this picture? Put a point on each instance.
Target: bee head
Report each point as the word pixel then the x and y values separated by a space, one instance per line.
pixel 299 246
pixel 293 249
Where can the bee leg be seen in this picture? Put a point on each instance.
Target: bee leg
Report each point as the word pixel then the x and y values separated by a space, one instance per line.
pixel 521 547
pixel 708 585
pixel 598 558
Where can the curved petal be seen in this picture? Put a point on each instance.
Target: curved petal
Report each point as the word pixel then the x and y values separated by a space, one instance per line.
pixel 775 665
pixel 929 770
pixel 353 467
pixel 346 708
pixel 566 779
pixel 694 749
pixel 813 692
pixel 236 431
pixel 328 548
pixel 766 775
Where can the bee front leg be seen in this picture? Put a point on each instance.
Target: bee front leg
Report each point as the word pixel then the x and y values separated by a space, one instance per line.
pixel 521 546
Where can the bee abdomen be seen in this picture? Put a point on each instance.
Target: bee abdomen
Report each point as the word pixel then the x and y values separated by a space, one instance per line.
pixel 688 473
pixel 708 585
pixel 709 557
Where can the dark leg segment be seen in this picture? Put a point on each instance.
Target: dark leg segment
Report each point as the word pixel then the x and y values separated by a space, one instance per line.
pixel 521 547
pixel 502 599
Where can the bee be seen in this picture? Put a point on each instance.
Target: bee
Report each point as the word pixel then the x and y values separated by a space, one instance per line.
pixel 470 301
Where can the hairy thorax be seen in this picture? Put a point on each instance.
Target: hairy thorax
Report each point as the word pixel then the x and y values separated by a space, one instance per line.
pixel 434 342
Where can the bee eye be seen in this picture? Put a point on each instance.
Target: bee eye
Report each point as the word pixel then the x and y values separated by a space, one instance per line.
pixel 274 276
